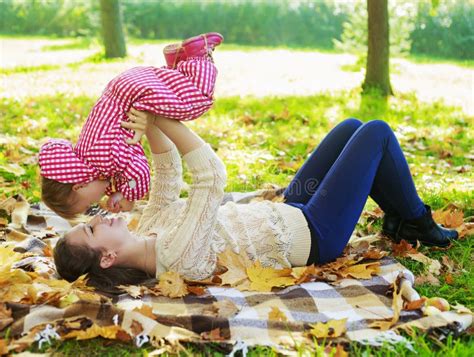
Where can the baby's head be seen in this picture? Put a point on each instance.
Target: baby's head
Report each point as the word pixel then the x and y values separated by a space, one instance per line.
pixel 69 199
pixel 68 184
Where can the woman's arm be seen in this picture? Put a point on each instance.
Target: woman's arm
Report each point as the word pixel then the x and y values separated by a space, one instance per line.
pixel 166 181
pixel 186 246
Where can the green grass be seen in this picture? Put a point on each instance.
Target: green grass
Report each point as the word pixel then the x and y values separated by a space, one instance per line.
pixel 265 140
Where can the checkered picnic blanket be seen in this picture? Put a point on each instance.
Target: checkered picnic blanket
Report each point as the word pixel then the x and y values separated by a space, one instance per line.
pixel 360 301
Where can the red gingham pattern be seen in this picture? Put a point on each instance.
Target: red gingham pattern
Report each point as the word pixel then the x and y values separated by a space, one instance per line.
pixel 101 151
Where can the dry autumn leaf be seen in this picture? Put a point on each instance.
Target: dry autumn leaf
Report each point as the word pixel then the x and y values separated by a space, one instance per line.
pixel 361 271
pixel 95 330
pixel 331 328
pixel 397 304
pixel 415 305
pixel 222 308
pixel 172 285
pixel 276 314
pixel 265 278
pixel 213 335
pixel 236 265
pixel 136 328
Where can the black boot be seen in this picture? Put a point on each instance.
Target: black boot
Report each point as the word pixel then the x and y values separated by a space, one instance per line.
pixel 390 225
pixel 425 230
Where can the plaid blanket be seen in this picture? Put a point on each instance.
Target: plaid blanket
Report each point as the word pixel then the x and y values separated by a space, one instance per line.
pixel 186 319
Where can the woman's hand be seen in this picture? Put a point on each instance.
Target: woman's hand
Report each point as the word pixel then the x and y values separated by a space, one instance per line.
pixel 138 123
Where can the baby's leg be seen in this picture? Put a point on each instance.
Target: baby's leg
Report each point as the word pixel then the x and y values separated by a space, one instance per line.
pixel 184 93
pixel 201 72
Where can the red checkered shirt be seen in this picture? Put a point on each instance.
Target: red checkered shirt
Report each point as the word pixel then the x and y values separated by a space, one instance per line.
pixel 101 151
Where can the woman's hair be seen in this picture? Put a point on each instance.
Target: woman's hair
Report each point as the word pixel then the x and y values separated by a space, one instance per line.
pixel 73 260
pixel 58 196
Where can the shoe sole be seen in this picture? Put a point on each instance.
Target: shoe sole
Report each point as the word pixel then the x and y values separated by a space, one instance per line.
pixel 200 38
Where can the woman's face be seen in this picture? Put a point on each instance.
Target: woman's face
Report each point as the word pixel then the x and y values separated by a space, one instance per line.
pixel 100 233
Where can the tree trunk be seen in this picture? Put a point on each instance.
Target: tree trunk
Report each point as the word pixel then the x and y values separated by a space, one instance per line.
pixel 377 75
pixel 112 31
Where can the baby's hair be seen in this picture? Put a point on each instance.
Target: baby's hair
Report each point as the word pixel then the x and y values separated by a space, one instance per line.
pixel 58 197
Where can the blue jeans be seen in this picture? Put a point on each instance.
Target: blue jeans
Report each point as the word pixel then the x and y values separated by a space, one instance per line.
pixel 353 162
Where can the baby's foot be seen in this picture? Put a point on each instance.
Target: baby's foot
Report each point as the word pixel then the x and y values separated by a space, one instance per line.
pixel 197 46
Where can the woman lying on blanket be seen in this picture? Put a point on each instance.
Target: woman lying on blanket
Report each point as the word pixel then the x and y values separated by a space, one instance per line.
pixel 323 204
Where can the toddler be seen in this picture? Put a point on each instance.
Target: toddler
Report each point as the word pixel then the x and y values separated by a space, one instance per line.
pixel 105 159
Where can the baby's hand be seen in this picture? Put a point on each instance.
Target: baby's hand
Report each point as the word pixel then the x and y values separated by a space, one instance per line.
pixel 113 203
pixel 126 205
pixel 138 123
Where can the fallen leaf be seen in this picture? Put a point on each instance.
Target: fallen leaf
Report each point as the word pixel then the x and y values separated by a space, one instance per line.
pixel 448 263
pixel 397 304
pixel 361 271
pixel 134 291
pixel 172 285
pixel 448 278
pixel 276 314
pixel 403 248
pixel 427 278
pixel 375 254
pixel 136 328
pixel 95 330
pixel 222 308
pixel 303 274
pixel 146 310
pixel 415 305
pixel 265 278
pixel 331 328
pixel 196 290
pixel 432 265
pixel 213 335
pixel 236 265
pixel 461 309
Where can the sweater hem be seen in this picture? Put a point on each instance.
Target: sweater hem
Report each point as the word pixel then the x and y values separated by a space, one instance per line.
pixel 301 235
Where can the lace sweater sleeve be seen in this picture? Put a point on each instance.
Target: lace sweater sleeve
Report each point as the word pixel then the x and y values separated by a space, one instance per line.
pixel 165 185
pixel 187 246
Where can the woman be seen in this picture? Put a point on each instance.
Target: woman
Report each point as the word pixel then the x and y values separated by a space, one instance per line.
pixel 323 204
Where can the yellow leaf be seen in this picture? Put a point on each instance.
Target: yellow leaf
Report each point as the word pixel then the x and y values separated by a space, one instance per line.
pixel 264 279
pixel 397 305
pixel 134 291
pixel 172 285
pixel 95 330
pixel 68 300
pixel 332 328
pixel 236 265
pixel 276 314
pixel 361 271
pixel 7 257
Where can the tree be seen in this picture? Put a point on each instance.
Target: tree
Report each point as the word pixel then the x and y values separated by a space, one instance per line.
pixel 377 75
pixel 112 31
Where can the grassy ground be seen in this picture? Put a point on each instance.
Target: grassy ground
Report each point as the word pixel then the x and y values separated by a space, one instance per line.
pixel 265 140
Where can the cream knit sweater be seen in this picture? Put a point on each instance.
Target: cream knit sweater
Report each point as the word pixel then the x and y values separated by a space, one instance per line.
pixel 191 232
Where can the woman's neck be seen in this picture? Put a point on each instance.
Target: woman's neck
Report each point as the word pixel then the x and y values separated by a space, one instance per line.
pixel 139 253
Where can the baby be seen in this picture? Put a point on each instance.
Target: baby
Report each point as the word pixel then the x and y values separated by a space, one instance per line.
pixel 106 160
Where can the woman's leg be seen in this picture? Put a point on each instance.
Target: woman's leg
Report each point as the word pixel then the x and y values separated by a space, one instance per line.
pixel 316 166
pixel 310 175
pixel 372 155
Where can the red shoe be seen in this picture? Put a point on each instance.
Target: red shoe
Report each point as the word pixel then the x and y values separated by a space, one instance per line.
pixel 197 46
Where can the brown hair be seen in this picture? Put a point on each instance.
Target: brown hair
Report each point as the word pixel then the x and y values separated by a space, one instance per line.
pixel 73 260
pixel 58 196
